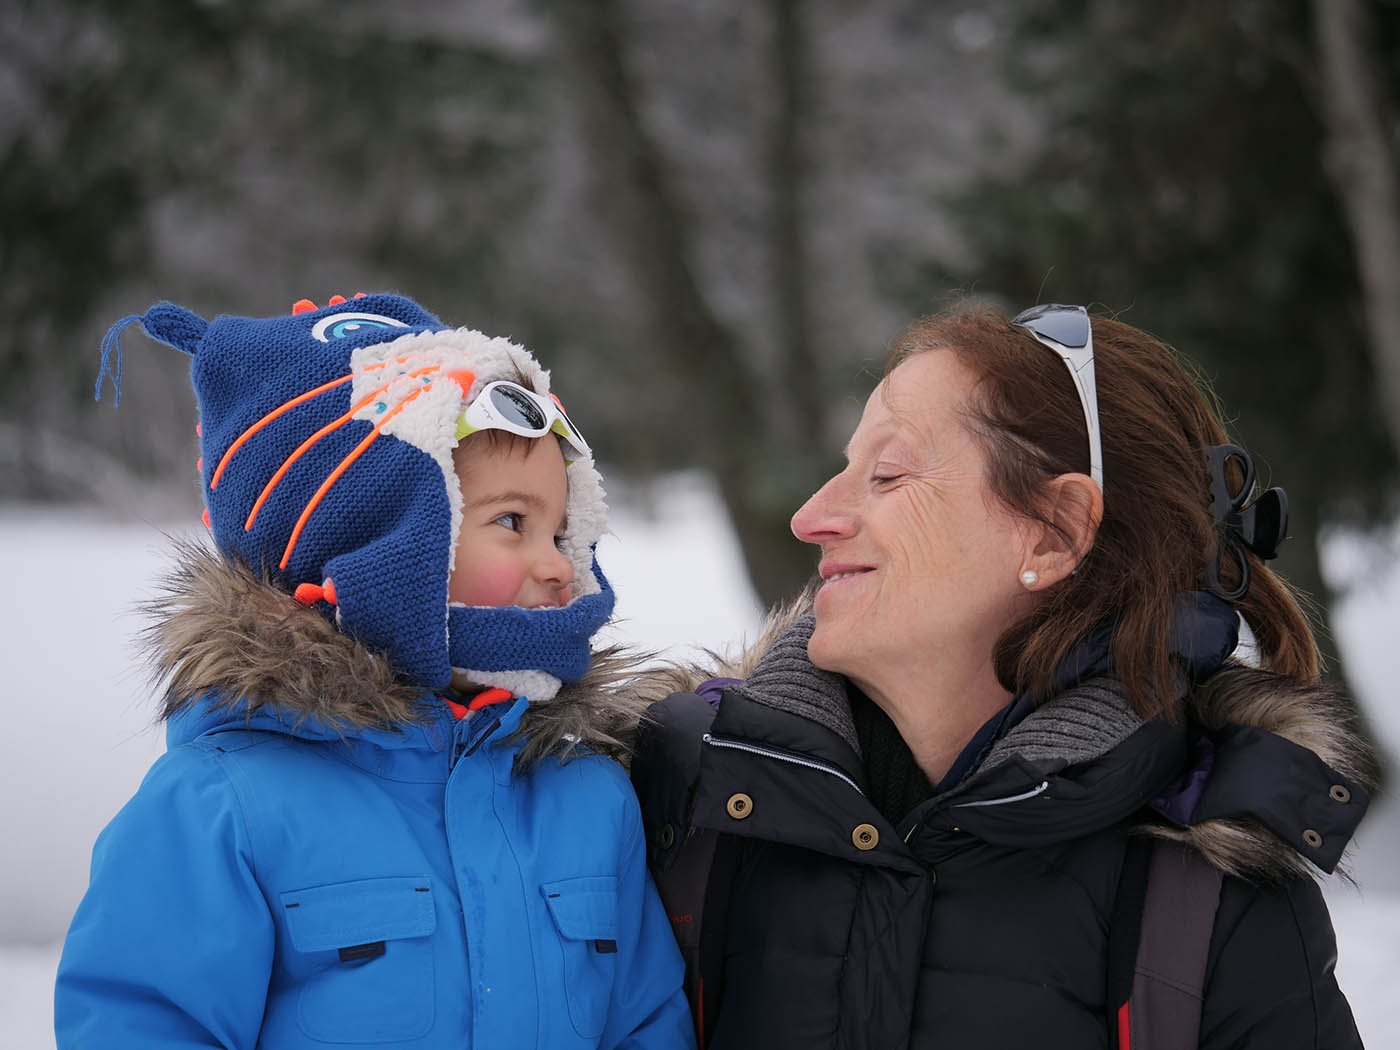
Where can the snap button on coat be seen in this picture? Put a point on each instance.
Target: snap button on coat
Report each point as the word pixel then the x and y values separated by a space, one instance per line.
pixel 865 836
pixel 1312 838
pixel 1340 793
pixel 739 805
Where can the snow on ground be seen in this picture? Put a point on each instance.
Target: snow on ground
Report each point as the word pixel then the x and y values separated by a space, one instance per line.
pixel 80 735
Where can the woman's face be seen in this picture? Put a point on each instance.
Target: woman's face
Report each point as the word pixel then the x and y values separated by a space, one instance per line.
pixel 920 563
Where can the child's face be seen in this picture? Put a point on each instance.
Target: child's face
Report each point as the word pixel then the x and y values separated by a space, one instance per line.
pixel 513 503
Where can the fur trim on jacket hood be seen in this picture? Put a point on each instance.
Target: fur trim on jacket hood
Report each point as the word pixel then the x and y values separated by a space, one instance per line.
pixel 1311 715
pixel 215 627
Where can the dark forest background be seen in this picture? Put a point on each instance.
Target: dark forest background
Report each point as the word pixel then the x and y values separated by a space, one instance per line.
pixel 711 219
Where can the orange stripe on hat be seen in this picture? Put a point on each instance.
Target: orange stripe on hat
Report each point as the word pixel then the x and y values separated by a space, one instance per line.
pixel 334 424
pixel 334 476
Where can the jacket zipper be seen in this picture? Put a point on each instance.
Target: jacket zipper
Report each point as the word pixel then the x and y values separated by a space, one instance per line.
pixel 1044 784
pixel 1032 793
pixel 781 756
pixel 465 742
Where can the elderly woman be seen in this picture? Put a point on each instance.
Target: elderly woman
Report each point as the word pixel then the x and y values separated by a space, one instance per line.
pixel 928 815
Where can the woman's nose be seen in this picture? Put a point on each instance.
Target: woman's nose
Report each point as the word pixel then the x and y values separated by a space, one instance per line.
pixel 822 517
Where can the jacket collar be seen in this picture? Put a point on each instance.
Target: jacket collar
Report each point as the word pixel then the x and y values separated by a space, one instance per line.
pixel 1279 749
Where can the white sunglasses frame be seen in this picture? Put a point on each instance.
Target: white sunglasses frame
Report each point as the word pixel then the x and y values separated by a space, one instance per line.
pixel 1080 362
pixel 482 414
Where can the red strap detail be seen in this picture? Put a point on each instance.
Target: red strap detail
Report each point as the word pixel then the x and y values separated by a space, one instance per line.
pixel 205 517
pixel 328 589
pixel 1125 1036
pixel 700 1013
pixel 303 306
pixel 489 697
pixel 458 711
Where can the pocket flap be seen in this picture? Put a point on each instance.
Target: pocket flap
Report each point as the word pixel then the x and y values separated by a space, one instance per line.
pixel 583 909
pixel 345 914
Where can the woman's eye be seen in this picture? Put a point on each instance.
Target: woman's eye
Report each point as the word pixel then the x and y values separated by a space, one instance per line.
pixel 508 521
pixel 885 479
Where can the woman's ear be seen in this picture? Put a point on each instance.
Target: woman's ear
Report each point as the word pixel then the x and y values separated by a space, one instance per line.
pixel 1073 508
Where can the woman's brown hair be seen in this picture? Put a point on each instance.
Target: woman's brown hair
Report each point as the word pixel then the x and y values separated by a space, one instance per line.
pixel 1157 532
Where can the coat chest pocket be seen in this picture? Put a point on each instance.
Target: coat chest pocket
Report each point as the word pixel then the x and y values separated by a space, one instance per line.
pixel 585 916
pixel 366 955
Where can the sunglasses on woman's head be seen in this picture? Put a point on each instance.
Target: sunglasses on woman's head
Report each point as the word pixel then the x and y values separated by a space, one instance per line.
pixel 1066 330
pixel 508 406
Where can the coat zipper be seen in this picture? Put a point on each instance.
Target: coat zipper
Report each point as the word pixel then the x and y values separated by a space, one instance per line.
pixel 1032 793
pixel 1044 784
pixel 781 756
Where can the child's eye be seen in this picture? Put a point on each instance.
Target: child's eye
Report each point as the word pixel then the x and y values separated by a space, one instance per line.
pixel 509 520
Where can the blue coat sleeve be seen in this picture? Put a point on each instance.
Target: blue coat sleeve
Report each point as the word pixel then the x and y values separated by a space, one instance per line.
pixel 649 1007
pixel 172 944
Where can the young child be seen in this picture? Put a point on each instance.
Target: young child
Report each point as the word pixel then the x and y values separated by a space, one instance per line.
pixel 389 813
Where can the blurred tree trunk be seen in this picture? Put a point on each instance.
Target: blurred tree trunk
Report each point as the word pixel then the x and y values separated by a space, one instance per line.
pixel 800 369
pixel 1361 162
pixel 754 433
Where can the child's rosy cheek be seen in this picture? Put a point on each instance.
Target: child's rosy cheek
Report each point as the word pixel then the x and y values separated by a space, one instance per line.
pixel 494 585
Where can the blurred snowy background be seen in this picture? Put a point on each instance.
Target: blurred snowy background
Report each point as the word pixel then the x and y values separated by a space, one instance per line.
pixel 708 220
pixel 80 737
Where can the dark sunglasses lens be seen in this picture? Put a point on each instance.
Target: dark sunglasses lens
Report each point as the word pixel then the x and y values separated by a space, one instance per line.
pixel 1066 326
pixel 516 407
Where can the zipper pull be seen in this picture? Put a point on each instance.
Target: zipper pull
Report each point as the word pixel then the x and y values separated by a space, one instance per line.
pixel 459 741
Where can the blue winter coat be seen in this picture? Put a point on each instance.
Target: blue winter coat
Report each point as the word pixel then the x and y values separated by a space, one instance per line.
pixel 276 885
pixel 272 887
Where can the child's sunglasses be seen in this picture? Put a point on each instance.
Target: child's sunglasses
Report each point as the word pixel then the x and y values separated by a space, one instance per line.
pixel 508 406
pixel 1065 330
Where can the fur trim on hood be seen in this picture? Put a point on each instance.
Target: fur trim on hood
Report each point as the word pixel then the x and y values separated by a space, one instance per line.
pixel 218 628
pixel 1309 714
pixel 1312 715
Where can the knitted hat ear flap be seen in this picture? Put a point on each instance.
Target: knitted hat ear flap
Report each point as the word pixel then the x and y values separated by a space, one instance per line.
pixel 391 593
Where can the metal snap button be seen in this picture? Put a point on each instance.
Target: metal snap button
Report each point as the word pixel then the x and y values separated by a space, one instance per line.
pixel 739 805
pixel 1312 838
pixel 668 837
pixel 1339 793
pixel 865 836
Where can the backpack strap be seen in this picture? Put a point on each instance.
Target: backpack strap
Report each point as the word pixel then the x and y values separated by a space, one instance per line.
pixel 693 868
pixel 696 889
pixel 1159 938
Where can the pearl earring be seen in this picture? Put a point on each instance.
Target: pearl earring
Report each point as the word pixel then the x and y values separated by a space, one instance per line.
pixel 1030 577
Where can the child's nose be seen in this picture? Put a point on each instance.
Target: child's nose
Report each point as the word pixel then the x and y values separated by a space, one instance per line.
pixel 554 569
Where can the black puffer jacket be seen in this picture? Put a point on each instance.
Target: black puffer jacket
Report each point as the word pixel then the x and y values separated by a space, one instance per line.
pixel 980 917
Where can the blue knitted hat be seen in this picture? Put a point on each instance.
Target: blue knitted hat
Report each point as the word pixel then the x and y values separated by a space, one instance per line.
pixel 326 438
